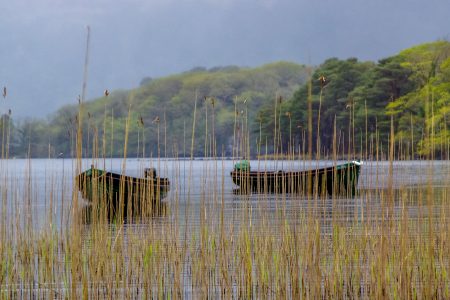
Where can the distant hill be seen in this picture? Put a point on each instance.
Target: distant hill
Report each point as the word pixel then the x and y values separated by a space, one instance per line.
pixel 345 107
pixel 213 93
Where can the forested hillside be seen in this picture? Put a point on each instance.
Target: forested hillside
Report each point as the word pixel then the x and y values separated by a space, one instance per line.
pixel 341 106
pixel 159 112
pixel 357 101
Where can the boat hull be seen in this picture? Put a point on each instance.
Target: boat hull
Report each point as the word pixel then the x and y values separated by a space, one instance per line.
pixel 336 180
pixel 116 190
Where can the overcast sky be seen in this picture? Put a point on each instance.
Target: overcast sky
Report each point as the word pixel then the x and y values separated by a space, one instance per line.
pixel 43 42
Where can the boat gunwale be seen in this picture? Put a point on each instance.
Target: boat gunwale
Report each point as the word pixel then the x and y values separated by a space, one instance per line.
pixel 278 173
pixel 160 181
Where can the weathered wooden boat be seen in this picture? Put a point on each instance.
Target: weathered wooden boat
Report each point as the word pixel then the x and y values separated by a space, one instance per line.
pixel 115 189
pixel 341 179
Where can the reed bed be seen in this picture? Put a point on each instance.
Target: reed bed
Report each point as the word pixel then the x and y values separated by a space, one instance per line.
pixel 390 241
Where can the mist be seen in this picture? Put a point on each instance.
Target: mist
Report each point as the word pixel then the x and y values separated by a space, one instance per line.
pixel 43 42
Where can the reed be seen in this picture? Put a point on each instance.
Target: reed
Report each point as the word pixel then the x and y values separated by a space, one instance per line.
pixel 391 241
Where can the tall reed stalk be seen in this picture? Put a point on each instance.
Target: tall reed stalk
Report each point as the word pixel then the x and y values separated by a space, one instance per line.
pixel 388 242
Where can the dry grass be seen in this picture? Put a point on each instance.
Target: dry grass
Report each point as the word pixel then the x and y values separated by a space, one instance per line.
pixel 393 243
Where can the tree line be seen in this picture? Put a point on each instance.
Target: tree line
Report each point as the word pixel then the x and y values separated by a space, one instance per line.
pixel 357 107
pixel 340 106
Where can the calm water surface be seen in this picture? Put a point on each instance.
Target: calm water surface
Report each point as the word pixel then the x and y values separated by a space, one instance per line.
pixel 43 188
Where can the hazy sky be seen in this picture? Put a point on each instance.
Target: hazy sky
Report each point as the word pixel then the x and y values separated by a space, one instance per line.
pixel 43 42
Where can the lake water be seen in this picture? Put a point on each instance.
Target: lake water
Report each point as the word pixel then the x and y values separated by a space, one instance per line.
pixel 39 193
pixel 42 189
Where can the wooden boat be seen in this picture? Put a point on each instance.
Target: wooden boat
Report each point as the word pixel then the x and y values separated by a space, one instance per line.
pixel 341 179
pixel 115 189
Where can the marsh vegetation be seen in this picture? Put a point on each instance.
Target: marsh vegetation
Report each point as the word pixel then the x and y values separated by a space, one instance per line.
pixel 203 241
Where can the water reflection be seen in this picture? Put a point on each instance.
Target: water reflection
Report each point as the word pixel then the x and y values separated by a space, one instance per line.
pixel 200 189
pixel 90 214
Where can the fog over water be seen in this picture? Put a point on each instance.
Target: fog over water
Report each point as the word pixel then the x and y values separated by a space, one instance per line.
pixel 43 42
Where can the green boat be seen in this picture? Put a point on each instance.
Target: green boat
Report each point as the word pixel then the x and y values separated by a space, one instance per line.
pixel 341 179
pixel 116 189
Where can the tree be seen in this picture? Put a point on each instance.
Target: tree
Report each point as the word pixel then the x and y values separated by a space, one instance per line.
pixel 332 95
pixel 421 114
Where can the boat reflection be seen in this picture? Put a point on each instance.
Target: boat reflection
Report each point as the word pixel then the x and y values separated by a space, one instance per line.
pixel 91 214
